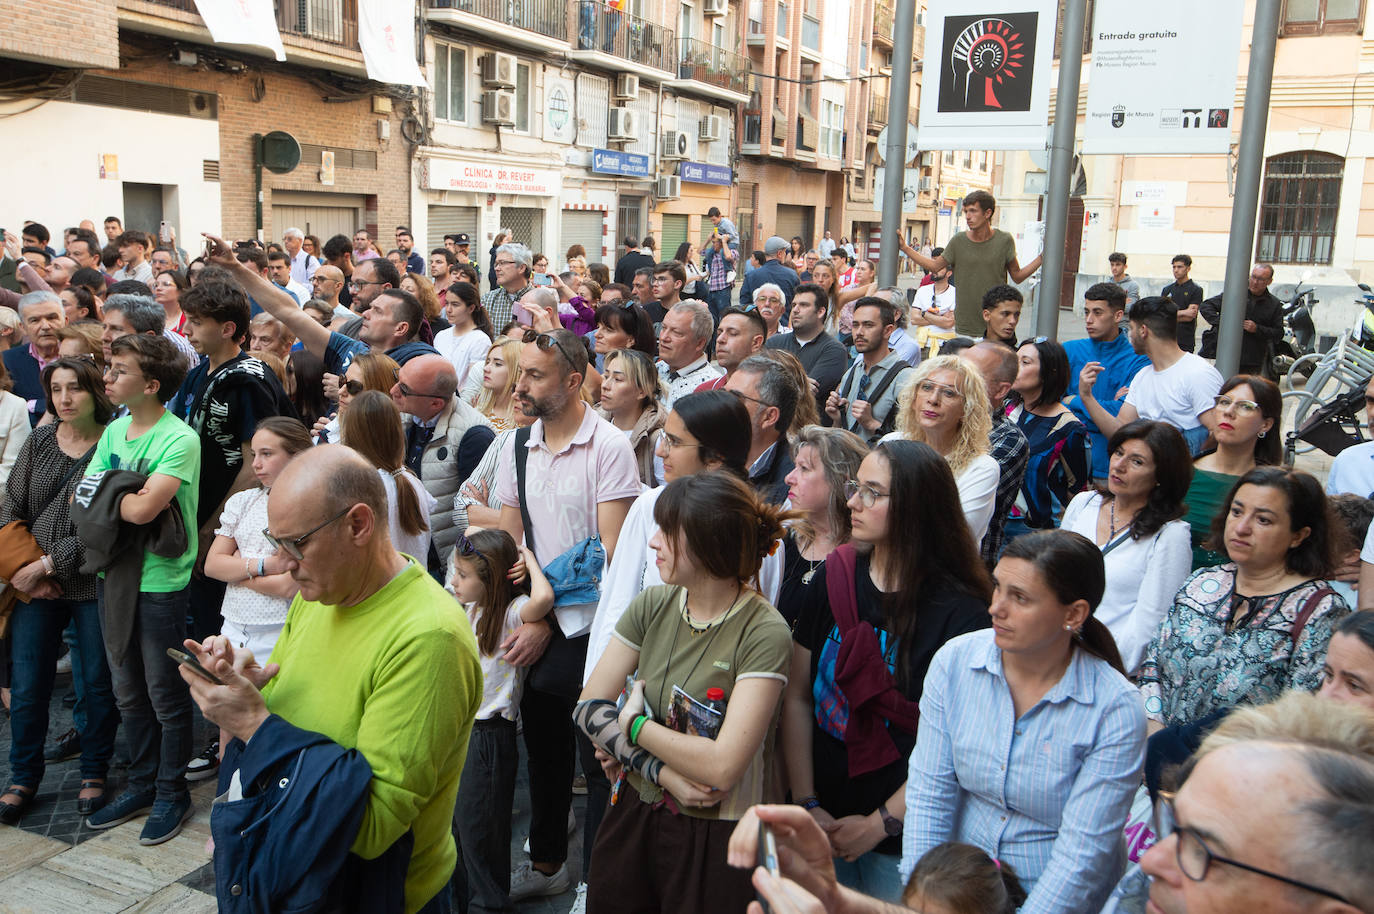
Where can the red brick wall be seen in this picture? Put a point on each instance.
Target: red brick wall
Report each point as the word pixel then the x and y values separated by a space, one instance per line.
pixel 81 33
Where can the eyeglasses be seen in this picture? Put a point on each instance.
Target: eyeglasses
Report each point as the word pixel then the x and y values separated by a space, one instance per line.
pixel 293 547
pixel 867 494
pixel 546 342
pixel 407 392
pixel 1195 857
pixel 355 284
pixel 743 396
pixel 667 443
pixel 505 263
pixel 939 391
pixel 115 374
pixel 1243 407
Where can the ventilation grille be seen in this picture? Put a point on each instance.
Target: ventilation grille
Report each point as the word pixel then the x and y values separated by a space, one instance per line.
pixel 119 93
pixel 343 158
pixel 209 169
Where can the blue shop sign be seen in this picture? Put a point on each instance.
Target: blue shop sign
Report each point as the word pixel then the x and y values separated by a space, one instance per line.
pixel 704 173
pixel 615 162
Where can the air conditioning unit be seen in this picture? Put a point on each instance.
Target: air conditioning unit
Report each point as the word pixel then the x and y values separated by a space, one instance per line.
pixel 715 8
pixel 674 145
pixel 927 184
pixel 626 87
pixel 498 107
pixel 927 160
pixel 668 187
pixel 624 125
pixel 711 128
pixel 498 71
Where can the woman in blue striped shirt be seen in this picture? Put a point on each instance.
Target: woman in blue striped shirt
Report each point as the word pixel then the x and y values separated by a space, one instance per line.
pixel 1031 739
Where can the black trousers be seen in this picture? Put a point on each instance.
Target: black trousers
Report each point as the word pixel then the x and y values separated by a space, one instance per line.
pixel 482 817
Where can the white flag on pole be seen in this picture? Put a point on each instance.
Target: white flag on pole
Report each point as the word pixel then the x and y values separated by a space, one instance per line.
pixel 250 22
pixel 386 34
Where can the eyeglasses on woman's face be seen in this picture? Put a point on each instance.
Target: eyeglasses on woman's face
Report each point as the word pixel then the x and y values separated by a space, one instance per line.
pixel 867 495
pixel 939 392
pixel 1225 403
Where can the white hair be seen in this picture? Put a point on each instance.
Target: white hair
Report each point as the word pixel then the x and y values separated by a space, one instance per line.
pixel 293 233
pixel 38 297
pixel 772 287
pixel 517 252
pixel 543 296
pixel 703 324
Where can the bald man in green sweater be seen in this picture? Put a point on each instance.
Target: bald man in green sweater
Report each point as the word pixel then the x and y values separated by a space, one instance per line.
pixel 375 655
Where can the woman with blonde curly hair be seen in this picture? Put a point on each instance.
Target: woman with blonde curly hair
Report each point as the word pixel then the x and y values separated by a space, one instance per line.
pixel 945 405
pixel 422 288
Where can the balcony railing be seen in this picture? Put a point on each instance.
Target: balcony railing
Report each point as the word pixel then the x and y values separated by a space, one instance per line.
pixel 811 33
pixel 334 21
pixel 547 17
pixel 603 28
pixel 707 63
pixel 882 21
pixel 877 109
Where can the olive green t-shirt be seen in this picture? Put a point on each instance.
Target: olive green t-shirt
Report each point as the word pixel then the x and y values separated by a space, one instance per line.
pixel 751 640
pixel 977 266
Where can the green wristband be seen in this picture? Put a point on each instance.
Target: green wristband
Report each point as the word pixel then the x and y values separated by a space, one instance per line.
pixel 636 727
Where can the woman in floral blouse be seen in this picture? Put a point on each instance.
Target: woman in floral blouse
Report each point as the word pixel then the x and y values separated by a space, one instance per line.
pixel 1249 629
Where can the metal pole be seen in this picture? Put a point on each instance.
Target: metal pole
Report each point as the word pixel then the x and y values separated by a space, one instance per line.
pixel 894 167
pixel 1061 169
pixel 1249 163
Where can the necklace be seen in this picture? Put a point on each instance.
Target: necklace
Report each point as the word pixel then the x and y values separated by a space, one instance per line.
pixel 1111 531
pixel 701 628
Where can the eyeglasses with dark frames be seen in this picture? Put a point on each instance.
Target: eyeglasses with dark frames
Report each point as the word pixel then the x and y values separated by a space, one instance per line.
pixel 292 547
pixel 405 390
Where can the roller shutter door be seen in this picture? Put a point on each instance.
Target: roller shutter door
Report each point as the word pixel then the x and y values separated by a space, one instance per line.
pixel 447 220
pixel 674 234
pixel 794 220
pixel 324 222
pixel 584 227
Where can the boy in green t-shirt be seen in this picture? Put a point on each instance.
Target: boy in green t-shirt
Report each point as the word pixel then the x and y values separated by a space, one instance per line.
pixel 144 372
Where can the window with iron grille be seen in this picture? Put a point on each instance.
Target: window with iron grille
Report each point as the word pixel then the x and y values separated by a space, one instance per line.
pixel 1301 199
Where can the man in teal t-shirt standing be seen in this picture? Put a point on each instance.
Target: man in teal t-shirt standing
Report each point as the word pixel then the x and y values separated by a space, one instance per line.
pixel 153 700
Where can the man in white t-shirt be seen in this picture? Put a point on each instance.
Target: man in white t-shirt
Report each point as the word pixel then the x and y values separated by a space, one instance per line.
pixel 1176 387
pixel 932 313
pixel 1353 469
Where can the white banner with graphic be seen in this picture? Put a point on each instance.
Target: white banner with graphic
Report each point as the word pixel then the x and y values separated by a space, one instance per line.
pixel 386 34
pixel 988 72
pixel 248 22
pixel 1163 76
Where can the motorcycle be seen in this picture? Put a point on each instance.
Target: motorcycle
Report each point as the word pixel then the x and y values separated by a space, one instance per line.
pixel 1363 331
pixel 1300 333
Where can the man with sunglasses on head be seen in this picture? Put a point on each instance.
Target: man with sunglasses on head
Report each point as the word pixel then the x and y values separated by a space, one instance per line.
pixel 865 402
pixel 375 659
pixel 579 479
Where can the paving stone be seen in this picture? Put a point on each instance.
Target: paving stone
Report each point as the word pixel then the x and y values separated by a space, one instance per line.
pixel 20 850
pixel 175 899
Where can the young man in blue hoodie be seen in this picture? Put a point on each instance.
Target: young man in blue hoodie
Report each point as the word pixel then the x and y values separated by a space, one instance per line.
pixel 1102 312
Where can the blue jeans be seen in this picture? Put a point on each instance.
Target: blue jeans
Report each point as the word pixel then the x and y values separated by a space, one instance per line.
pixel 153 698
pixel 35 634
pixel 719 301
pixel 872 874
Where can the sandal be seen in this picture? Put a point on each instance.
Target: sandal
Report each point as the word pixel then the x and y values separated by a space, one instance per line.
pixel 11 813
pixel 88 805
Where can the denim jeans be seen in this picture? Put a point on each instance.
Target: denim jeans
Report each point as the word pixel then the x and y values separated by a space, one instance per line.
pixel 153 698
pixel 719 301
pixel 35 634
pixel 872 874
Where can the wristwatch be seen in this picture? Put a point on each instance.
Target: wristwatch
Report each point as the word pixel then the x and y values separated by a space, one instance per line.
pixel 891 824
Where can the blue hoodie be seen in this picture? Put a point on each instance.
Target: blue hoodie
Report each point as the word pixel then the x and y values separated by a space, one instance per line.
pixel 1120 362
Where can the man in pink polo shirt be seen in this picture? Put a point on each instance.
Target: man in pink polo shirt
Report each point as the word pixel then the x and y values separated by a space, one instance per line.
pixel 580 479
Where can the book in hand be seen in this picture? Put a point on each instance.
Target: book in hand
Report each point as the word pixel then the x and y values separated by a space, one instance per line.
pixel 695 718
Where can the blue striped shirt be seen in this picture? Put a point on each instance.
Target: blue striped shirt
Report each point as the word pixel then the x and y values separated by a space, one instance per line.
pixel 1048 793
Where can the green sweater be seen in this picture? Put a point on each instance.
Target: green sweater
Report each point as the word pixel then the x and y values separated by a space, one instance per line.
pixel 397 678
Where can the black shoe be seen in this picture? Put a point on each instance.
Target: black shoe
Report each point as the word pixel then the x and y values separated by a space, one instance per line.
pixel 67 747
pixel 204 766
pixel 69 700
pixel 123 808
pixel 88 805
pixel 11 813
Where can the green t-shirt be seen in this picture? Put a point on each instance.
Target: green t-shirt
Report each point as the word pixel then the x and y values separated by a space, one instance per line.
pixel 977 266
pixel 171 449
pixel 751 640
pixel 397 678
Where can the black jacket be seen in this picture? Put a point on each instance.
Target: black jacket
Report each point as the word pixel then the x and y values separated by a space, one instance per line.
pixel 626 266
pixel 116 547
pixel 1267 313
pixel 771 479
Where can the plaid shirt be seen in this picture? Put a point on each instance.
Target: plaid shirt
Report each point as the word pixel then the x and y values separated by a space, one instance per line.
pixel 717 269
pixel 1007 445
pixel 499 303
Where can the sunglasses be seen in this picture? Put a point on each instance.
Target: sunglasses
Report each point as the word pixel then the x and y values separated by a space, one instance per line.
pixel 546 342
pixel 464 547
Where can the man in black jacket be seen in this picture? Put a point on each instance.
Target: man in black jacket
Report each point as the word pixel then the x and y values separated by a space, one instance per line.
pixel 770 395
pixel 1263 322
pixel 821 355
pixel 634 259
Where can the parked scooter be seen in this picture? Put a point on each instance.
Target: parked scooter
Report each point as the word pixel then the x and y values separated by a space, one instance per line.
pixel 1300 333
pixel 1363 331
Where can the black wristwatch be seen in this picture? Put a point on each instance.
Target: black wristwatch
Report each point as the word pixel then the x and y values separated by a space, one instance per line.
pixel 891 824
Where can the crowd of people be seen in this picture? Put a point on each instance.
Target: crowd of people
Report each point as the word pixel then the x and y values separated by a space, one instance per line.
pixel 963 622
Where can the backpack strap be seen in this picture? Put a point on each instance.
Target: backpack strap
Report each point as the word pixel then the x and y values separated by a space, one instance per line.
pixel 839 586
pixel 522 456
pixel 1308 608
pixel 890 419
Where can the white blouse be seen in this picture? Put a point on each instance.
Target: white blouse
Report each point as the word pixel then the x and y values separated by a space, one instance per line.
pixel 243 519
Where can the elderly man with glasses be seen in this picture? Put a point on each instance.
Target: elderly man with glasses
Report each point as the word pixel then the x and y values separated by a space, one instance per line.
pixel 374 660
pixel 512 265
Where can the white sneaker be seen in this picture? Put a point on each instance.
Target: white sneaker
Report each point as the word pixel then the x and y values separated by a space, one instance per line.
pixel 528 882
pixel 579 905
pixel 572 827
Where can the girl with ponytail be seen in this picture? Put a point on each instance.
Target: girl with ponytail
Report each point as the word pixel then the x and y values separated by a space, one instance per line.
pixel 707 656
pixel 1031 739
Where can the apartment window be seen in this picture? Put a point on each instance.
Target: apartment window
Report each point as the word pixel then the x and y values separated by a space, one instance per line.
pixel 982 161
pixel 450 83
pixel 522 97
pixel 718 33
pixel 968 158
pixel 1322 17
pixel 832 129
pixel 949 156
pixel 1301 197
pixel 685 22
pixel 808 89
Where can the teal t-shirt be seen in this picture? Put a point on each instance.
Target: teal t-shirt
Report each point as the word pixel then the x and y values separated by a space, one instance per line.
pixel 172 449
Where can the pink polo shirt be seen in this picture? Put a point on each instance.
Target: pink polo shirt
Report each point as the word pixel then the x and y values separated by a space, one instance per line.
pixel 564 489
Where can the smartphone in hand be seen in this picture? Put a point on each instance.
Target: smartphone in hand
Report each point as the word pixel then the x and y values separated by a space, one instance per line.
pixel 189 660
pixel 768 856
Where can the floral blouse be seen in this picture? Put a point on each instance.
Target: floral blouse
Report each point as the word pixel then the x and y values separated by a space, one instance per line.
pixel 1194 665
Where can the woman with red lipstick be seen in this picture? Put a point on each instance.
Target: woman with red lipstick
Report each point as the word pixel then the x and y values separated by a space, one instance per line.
pixel 1249 411
pixel 1246 630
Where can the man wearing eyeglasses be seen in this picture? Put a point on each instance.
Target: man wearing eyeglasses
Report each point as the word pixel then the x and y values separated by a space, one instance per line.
pixel 865 402
pixel 512 264
pixel 328 285
pixel 682 363
pixel 770 396
pixel 376 658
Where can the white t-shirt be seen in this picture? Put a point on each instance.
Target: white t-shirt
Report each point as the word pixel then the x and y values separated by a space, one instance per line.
pixel 1352 471
pixel 1178 394
pixel 416 546
pixel 926 299
pixel 243 519
pixel 502 682
pixel 463 350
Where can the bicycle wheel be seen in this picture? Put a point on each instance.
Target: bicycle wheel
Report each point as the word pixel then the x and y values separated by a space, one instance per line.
pixel 1297 405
